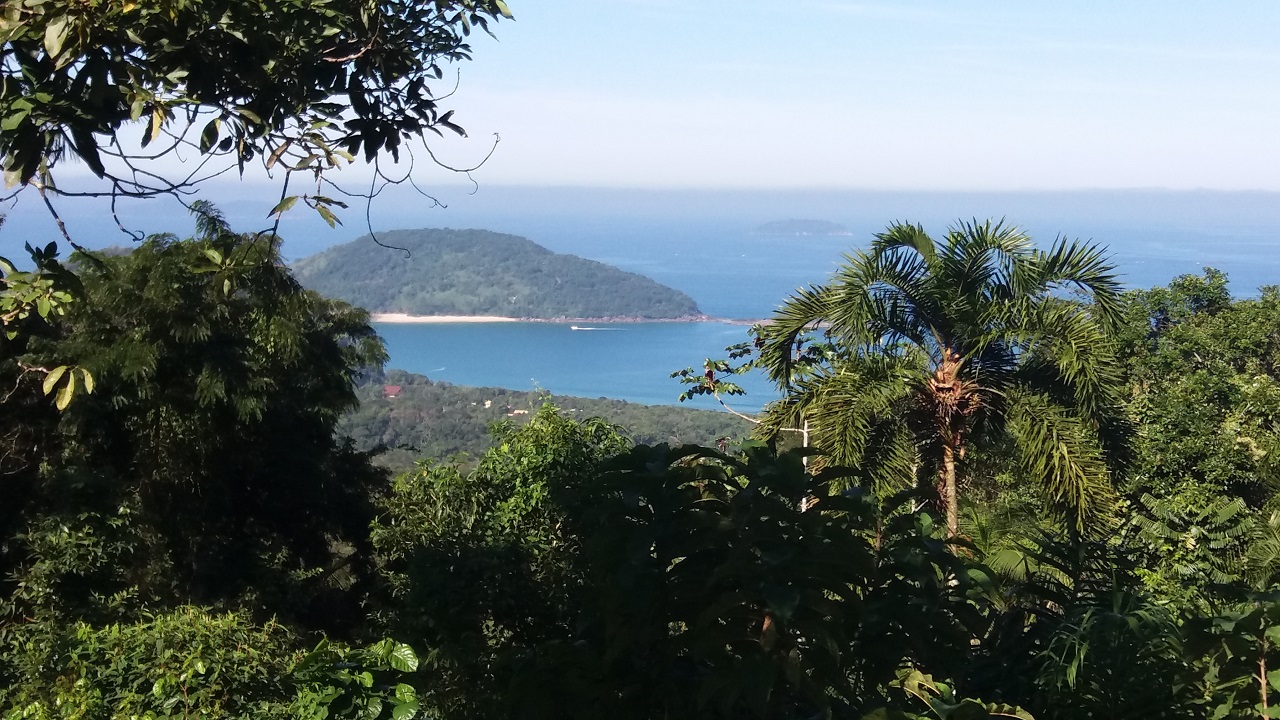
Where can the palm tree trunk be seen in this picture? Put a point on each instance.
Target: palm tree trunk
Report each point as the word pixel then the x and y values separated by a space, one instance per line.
pixel 949 500
pixel 1262 677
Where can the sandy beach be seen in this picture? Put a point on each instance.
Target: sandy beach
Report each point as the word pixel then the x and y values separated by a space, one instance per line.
pixel 407 318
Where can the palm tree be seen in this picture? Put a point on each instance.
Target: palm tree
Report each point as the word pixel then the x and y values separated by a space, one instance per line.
pixel 915 351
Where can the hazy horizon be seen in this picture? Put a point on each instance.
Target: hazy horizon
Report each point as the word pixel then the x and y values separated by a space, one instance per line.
pixel 543 213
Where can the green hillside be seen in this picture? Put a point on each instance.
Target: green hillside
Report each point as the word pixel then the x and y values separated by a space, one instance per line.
pixel 435 420
pixel 477 272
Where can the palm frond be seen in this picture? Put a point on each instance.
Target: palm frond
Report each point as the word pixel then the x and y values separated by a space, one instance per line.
pixel 789 325
pixel 1058 452
pixel 871 282
pixel 983 255
pixel 1088 268
pixel 984 346
pixel 1262 559
pixel 853 417
pixel 1203 541
pixel 1062 344
pixel 905 235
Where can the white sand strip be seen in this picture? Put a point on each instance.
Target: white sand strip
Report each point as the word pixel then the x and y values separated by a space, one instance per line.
pixel 407 318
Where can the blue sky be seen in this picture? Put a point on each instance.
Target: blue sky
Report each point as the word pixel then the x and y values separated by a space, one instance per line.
pixel 908 95
pixel 661 95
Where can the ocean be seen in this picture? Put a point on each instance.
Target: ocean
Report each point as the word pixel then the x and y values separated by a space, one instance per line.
pixel 733 273
pixel 626 361
pixel 701 242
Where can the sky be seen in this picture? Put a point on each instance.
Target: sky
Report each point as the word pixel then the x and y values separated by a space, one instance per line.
pixel 975 95
pixel 776 103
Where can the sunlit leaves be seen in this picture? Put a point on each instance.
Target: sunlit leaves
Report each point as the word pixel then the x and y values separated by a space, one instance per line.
pixel 941 702
pixel 284 205
pixel 971 323
pixel 46 291
pixel 63 379
pixel 1206 385
pixel 316 84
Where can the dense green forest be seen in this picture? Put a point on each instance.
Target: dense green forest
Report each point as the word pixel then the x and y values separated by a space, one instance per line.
pixel 427 420
pixel 477 272
pixel 1029 492
pixel 1020 503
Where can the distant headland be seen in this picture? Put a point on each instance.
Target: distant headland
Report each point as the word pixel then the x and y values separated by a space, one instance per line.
pixel 407 319
pixel 446 275
pixel 802 228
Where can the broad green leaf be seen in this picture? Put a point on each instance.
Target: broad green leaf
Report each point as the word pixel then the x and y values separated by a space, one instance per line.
pixel 284 205
pixel 157 121
pixel 405 710
pixel 209 137
pixel 152 131
pixel 328 216
pixel 55 33
pixel 64 395
pixel 248 114
pixel 403 658
pixel 51 380
pixel 88 382
pixel 14 119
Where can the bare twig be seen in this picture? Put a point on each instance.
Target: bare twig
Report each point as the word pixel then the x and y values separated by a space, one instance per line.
pixel 136 236
pixel 284 192
pixel 53 211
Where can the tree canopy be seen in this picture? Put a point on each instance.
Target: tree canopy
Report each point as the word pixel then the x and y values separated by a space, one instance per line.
pixel 1209 370
pixel 478 272
pixel 916 350
pixel 220 382
pixel 194 538
pixel 299 85
pixel 432 420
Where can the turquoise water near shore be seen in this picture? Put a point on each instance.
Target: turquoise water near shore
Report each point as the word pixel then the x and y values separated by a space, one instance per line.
pixel 738 275
pixel 735 274
pixel 627 361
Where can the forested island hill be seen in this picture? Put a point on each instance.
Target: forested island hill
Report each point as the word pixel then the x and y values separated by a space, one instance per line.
pixel 478 273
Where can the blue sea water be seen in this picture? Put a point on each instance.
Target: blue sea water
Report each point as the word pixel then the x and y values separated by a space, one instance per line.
pixel 701 242
pixel 628 361
pixel 703 245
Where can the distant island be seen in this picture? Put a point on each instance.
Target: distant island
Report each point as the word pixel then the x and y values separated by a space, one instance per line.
pixel 478 273
pixel 802 228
